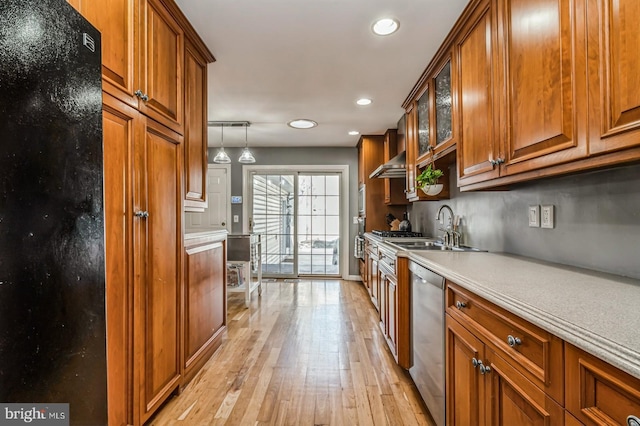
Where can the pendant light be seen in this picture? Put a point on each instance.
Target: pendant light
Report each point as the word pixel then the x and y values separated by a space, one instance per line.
pixel 221 156
pixel 246 156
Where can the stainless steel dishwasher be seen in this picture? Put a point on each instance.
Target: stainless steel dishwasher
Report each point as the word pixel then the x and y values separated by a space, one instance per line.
pixel 428 338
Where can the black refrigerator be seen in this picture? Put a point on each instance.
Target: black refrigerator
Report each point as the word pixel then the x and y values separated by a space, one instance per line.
pixel 52 273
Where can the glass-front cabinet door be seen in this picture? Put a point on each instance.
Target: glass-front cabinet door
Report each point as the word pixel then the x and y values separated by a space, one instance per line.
pixel 424 131
pixel 442 89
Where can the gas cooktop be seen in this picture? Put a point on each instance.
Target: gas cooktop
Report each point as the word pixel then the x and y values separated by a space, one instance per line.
pixel 391 234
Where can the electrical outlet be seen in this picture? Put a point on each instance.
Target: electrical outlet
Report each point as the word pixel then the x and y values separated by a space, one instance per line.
pixel 355 220
pixel 236 218
pixel 546 216
pixel 534 216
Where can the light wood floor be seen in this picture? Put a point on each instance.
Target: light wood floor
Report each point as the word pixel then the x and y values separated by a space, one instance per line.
pixel 305 353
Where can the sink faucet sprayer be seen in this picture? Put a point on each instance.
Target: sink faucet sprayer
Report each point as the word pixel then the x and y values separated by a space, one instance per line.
pixel 451 234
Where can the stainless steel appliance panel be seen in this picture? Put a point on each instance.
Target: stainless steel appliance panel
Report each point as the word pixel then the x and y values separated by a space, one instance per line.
pixel 428 339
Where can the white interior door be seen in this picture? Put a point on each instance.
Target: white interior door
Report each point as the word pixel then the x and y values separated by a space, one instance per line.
pixel 218 212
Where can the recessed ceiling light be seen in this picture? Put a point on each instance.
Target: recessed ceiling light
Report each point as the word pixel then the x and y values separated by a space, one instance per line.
pixel 364 101
pixel 385 26
pixel 354 132
pixel 302 123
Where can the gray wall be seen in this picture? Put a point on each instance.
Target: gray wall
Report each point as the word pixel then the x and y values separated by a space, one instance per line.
pixel 299 156
pixel 597 219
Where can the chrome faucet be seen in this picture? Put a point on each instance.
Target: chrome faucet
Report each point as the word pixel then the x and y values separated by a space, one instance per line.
pixel 451 235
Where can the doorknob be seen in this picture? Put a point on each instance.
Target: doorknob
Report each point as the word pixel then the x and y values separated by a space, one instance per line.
pixel 224 223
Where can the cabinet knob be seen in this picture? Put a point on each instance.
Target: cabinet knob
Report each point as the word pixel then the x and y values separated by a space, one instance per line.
pixel 141 95
pixel 460 305
pixel 633 421
pixel 515 341
pixel 484 369
pixel 493 162
pixel 224 224
pixel 499 160
pixel 141 214
pixel 475 362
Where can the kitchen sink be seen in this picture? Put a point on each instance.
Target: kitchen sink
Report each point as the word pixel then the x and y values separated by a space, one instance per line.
pixel 431 245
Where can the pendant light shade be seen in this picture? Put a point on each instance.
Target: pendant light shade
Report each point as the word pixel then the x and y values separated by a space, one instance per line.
pixel 221 157
pixel 246 156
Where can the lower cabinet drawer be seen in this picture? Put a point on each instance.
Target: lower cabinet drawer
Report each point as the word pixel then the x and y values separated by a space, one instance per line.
pixel 598 393
pixel 536 353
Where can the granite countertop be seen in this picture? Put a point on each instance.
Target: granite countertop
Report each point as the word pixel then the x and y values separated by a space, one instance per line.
pixel 597 312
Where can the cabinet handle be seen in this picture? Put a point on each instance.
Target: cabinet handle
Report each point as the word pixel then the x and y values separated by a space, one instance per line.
pixel 515 341
pixel 460 305
pixel 484 369
pixel 141 214
pixel 633 421
pixel 141 95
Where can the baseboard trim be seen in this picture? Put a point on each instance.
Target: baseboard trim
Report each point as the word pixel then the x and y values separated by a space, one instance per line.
pixel 353 278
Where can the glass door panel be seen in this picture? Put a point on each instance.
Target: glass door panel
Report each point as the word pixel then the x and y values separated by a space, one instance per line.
pixel 273 213
pixel 318 224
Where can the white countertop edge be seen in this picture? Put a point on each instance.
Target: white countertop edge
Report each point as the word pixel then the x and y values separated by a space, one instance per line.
pixel 209 233
pixel 601 347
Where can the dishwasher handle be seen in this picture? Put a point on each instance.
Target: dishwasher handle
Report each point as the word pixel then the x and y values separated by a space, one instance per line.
pixel 426 275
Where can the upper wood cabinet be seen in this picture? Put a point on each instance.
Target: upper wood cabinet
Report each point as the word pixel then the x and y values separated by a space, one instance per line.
pixel 393 187
pixel 195 129
pixel 543 87
pixel 161 59
pixel 431 131
pixel 522 99
pixel 614 74
pixel 478 146
pixel 116 21
pixel 370 156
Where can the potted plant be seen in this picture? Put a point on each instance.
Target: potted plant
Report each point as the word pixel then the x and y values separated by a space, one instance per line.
pixel 428 180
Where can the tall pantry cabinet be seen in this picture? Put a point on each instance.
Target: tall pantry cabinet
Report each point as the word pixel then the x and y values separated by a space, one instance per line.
pixel 149 147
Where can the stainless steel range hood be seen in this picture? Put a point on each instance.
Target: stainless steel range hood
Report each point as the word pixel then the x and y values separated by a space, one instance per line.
pixel 394 168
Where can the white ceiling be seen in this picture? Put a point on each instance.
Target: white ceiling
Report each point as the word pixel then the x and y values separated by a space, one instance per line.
pixel 278 60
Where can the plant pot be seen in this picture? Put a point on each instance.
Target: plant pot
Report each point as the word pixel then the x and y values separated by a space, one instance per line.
pixel 432 190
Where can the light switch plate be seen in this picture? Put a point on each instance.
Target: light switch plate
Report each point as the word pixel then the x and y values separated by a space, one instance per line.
pixel 534 216
pixel 546 216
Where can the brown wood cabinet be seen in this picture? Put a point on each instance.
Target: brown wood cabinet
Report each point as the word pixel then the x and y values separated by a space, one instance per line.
pixel 144 52
pixel 143 223
pixel 513 367
pixel 394 303
pixel 431 132
pixel 116 20
pixel 614 70
pixel 478 147
pixel 121 126
pixel 370 156
pixel 393 187
pixel 161 59
pixel 598 393
pixel 535 353
pixel 529 98
pixel 205 300
pixel 195 129
pixel 373 277
pixel 154 61
pixel 157 265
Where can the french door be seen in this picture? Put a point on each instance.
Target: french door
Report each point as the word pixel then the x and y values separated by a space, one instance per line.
pixel 297 214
